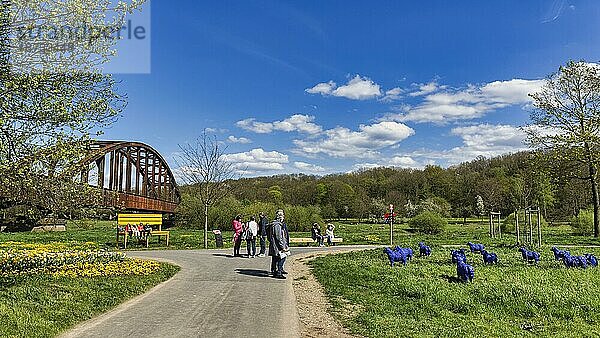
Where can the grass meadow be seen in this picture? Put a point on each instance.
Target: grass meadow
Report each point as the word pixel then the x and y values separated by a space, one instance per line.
pixel 42 305
pixel 425 299
pixel 103 233
pixel 422 299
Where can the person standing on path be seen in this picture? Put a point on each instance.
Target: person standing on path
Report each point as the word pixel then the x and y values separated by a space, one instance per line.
pixel 263 223
pixel 237 235
pixel 251 237
pixel 278 245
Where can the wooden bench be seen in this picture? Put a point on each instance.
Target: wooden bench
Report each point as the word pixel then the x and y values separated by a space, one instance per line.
pixel 153 220
pixel 307 241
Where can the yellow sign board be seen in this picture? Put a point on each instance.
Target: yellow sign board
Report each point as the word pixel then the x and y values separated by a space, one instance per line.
pixel 150 219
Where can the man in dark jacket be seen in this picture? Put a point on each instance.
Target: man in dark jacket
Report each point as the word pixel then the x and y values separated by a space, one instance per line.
pixel 278 245
pixel 263 224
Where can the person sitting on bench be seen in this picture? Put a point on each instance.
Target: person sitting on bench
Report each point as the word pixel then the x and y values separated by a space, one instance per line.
pixel 329 233
pixel 316 234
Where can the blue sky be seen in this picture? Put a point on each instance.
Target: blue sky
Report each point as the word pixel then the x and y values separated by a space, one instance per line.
pixel 322 86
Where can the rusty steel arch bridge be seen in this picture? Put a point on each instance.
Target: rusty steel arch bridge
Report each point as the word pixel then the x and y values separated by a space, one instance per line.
pixel 132 175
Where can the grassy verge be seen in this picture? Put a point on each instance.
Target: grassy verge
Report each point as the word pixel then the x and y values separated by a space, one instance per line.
pixel 44 305
pixel 423 299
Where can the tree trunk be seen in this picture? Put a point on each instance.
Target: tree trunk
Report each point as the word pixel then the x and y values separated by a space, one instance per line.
pixel 595 199
pixel 205 226
pixel 594 183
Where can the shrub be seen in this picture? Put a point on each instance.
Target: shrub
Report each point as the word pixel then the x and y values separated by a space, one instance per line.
pixel 583 224
pixel 508 224
pixel 428 223
pixel 299 218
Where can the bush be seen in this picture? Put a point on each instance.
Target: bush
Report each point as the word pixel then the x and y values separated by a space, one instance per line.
pixel 508 224
pixel 583 224
pixel 190 214
pixel 428 223
pixel 299 218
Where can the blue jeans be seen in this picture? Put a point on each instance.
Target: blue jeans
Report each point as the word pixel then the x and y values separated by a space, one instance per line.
pixel 263 245
pixel 280 263
pixel 251 246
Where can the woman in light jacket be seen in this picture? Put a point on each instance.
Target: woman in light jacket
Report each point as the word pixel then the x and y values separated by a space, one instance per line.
pixel 251 237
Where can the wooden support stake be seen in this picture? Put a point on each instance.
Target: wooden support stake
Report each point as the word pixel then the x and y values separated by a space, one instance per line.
pixel 517 226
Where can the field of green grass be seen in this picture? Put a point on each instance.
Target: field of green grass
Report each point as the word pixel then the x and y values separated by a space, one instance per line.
pixel 103 233
pixel 424 298
pixel 43 305
pixel 369 297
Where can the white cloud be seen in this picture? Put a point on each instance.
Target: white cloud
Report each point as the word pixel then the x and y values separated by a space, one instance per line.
pixel 252 125
pixel 241 140
pixel 426 88
pixel 357 88
pixel 478 140
pixel 299 123
pixel 325 88
pixel 257 160
pixel 365 166
pixel 364 143
pixel 215 130
pixel 310 168
pixel 512 92
pixel 446 105
pixel 393 94
pixel 403 162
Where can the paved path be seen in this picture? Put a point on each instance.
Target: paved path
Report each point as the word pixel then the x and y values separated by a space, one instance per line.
pixel 214 295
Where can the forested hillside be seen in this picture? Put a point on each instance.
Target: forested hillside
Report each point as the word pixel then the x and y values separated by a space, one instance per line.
pixel 504 183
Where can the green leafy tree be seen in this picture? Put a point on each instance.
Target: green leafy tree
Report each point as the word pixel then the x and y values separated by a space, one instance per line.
pixel 275 195
pixel 51 104
pixel 566 121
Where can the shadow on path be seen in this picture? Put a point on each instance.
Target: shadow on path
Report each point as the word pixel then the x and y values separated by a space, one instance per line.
pixel 223 255
pixel 254 272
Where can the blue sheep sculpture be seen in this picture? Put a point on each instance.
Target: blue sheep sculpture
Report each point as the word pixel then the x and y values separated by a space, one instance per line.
pixel 465 272
pixel 575 261
pixel 489 257
pixel 591 259
pixel 581 262
pixel 408 252
pixel 475 247
pixel 395 256
pixel 458 255
pixel 568 261
pixel 424 250
pixel 529 256
pixel 559 254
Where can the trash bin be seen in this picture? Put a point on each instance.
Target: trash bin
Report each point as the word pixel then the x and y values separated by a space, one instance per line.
pixel 218 238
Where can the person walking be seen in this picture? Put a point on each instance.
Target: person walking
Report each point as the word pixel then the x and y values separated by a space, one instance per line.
pixel 252 231
pixel 263 223
pixel 238 227
pixel 278 245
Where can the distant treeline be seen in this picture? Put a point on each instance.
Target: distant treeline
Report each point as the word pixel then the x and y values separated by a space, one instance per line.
pixel 504 183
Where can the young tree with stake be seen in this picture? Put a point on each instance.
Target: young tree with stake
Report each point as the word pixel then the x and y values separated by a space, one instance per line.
pixel 204 166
